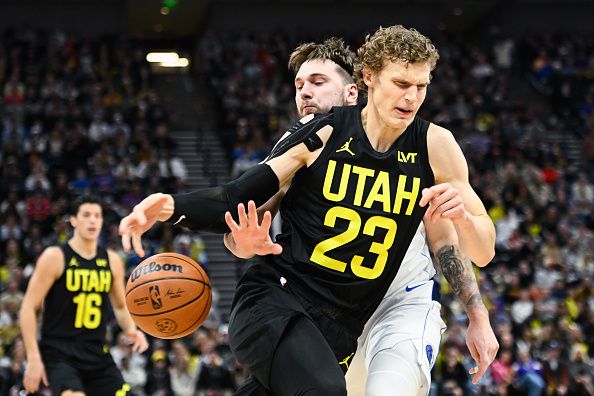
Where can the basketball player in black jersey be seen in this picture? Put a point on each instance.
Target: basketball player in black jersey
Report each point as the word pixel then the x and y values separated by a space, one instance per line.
pixel 360 179
pixel 320 84
pixel 73 283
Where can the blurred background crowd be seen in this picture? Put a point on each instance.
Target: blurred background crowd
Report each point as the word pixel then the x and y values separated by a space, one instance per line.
pixel 81 114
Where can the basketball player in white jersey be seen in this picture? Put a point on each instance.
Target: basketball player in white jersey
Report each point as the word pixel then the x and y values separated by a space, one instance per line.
pixel 400 342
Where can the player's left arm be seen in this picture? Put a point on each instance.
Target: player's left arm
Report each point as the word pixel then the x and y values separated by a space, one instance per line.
pixel 453 198
pixel 458 271
pixel 118 303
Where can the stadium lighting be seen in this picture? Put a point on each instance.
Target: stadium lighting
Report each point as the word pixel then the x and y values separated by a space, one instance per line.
pixel 181 62
pixel 160 57
pixel 167 59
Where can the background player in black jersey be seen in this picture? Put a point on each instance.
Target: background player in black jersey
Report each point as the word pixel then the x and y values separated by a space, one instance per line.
pixel 319 292
pixel 73 283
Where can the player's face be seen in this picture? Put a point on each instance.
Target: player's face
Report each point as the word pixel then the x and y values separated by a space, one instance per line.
pixel 398 91
pixel 318 87
pixel 88 221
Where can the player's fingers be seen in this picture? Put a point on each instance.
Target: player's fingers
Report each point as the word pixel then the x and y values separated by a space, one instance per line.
pixel 276 249
pixel 233 226
pixel 125 224
pixel 44 378
pixel 443 197
pixel 126 241
pixel 139 215
pixel 137 244
pixel 473 351
pixel 426 195
pixel 456 211
pixel 482 369
pixel 252 214
pixel 143 344
pixel 243 219
pixel 29 384
pixel 266 222
pixel 440 210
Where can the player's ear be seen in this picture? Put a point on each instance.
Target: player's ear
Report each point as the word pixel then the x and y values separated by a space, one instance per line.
pixel 351 94
pixel 72 221
pixel 368 76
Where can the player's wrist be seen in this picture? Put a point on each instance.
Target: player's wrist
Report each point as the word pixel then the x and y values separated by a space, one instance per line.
pixel 477 313
pixel 34 358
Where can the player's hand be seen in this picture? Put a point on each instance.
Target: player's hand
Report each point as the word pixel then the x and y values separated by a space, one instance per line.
pixel 139 342
pixel 34 373
pixel 251 238
pixel 482 344
pixel 444 203
pixel 155 207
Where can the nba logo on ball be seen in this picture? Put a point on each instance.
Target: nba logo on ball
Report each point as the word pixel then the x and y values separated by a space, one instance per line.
pixel 179 292
pixel 155 297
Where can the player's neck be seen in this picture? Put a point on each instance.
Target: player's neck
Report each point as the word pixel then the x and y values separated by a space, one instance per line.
pixel 380 135
pixel 86 248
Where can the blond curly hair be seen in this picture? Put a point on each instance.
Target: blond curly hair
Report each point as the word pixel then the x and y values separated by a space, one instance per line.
pixel 394 43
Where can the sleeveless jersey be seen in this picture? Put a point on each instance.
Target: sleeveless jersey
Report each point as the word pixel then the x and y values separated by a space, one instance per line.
pixel 76 304
pixel 349 218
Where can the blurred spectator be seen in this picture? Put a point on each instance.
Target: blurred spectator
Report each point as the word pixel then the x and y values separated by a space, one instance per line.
pixel 453 374
pixel 214 378
pixel 581 372
pixel 527 374
pixel 555 371
pixel 158 381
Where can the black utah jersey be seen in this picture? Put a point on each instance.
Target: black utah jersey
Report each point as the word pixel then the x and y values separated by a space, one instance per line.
pixel 349 218
pixel 76 304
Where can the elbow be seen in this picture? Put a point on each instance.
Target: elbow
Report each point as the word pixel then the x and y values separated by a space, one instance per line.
pixel 484 258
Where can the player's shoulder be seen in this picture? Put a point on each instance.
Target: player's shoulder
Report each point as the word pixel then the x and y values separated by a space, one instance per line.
pixel 439 137
pixel 52 252
pixel 51 260
pixel 439 132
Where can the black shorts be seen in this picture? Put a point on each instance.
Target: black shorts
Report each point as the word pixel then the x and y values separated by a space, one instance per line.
pixel 262 311
pixel 81 366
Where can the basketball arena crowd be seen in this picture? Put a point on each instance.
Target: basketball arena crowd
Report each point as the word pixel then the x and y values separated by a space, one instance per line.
pixel 83 115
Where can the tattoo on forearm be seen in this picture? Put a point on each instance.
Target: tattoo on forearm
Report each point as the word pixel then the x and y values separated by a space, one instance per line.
pixel 457 269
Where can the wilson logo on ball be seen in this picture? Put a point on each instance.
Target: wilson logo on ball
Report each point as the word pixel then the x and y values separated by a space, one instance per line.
pixel 154 267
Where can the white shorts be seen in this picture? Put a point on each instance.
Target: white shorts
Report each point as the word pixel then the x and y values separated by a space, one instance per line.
pixel 406 316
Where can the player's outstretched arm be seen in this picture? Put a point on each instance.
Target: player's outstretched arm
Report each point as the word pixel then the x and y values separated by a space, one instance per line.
pixel 457 269
pixel 205 209
pixel 199 210
pixel 118 303
pixel 454 199
pixel 49 267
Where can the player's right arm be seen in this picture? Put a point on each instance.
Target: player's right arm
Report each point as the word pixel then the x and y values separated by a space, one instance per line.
pixel 49 267
pixel 205 209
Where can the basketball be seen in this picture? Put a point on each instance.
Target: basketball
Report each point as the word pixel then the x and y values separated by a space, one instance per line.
pixel 168 295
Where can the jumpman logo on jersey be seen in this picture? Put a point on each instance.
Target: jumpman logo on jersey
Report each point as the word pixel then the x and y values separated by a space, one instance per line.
pixel 101 262
pixel 345 147
pixel 345 361
pixel 73 262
